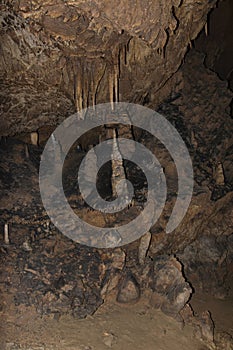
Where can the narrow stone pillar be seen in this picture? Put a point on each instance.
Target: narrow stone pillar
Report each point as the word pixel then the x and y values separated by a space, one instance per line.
pixel 118 170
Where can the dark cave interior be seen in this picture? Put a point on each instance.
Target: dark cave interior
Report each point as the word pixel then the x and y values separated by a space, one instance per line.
pixel 58 58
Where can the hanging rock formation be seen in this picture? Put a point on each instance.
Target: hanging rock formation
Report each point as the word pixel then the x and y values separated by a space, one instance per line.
pixel 59 57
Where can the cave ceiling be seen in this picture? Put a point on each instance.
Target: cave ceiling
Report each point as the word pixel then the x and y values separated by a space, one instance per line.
pixel 59 56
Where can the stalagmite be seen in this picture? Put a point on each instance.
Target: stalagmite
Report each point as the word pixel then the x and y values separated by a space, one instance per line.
pixel 90 167
pixel 57 151
pixel 34 138
pixel 118 170
pixel 219 174
pixel 6 234
pixel 143 247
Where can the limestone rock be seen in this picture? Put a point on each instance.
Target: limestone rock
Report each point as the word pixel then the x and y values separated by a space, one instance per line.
pixel 62 56
pixel 129 290
pixel 170 289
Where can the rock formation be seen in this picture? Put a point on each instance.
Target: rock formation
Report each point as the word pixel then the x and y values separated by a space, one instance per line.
pixel 57 58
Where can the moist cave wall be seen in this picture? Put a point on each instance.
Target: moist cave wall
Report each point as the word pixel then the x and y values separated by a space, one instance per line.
pixel 58 59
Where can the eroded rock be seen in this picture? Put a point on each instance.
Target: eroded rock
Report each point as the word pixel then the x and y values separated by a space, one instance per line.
pixel 129 290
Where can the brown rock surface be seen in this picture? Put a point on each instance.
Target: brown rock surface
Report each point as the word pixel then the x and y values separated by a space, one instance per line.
pixel 59 57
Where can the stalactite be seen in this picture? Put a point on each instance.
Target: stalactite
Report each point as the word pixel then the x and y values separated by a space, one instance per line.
pixel 88 84
pixel 80 87
pixel 6 234
pixel 75 74
pixel 121 59
pixel 96 75
pixel 116 75
pixel 93 85
pixel 116 84
pixel 127 49
pixel 95 90
pixel 79 92
pixel 85 85
pixel 75 90
pixel 83 79
pixel 111 88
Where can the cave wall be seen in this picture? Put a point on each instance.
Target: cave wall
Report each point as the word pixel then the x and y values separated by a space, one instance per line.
pixel 57 58
pixel 218 44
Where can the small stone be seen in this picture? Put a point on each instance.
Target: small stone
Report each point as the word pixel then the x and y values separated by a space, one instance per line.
pixel 129 290
pixel 109 339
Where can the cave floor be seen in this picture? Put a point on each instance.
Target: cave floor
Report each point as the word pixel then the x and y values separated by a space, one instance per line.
pixel 221 309
pixel 112 326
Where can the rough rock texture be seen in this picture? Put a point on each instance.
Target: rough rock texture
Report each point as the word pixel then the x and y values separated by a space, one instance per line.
pixel 211 256
pixel 57 58
pixel 201 99
pixel 170 290
pixel 45 269
pixel 217 45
